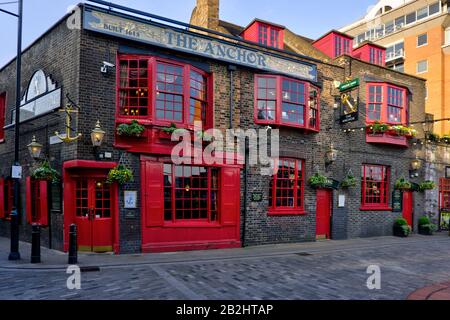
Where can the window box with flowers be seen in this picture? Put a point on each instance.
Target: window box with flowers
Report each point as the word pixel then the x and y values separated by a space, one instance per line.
pixel 133 130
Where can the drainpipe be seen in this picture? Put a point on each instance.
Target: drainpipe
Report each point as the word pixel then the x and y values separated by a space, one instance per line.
pixel 244 224
pixel 231 69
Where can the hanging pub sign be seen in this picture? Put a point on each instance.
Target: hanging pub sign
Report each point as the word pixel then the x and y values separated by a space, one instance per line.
pixel 349 101
pixel 397 201
pixel 133 28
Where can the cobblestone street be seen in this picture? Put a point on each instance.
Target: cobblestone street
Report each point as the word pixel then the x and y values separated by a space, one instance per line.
pixel 322 270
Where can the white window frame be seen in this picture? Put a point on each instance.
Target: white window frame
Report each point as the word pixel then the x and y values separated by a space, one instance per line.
pixel 418 37
pixel 417 67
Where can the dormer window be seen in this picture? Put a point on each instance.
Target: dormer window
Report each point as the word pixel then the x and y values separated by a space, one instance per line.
pixel 335 44
pixel 265 34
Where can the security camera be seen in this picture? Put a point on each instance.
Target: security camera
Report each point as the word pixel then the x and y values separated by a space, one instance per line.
pixel 106 65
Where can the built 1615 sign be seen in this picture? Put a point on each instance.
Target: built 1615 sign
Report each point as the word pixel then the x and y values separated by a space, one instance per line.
pixel 143 31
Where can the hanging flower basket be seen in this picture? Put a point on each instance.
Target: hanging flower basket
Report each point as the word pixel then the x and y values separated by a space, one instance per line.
pixel 318 181
pixel 427 185
pixel 120 175
pixel 349 182
pixel 403 184
pixel 46 172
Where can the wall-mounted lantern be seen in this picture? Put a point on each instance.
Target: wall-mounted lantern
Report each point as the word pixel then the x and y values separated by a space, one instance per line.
pixel 416 165
pixel 97 135
pixel 35 148
pixel 331 155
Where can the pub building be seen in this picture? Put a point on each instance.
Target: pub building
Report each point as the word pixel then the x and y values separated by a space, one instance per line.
pixel 105 87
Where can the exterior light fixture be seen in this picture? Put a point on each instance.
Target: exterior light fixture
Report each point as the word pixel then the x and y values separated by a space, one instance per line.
pixel 35 148
pixel 331 155
pixel 416 164
pixel 97 135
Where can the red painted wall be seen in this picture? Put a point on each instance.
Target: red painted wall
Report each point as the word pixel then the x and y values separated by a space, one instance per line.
pixel 252 33
pixel 327 44
pixel 363 53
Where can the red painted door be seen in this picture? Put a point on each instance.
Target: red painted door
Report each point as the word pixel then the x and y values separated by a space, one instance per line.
pixel 408 207
pixel 323 214
pixel 94 214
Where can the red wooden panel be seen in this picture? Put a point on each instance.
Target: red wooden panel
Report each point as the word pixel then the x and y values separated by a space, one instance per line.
pixel 230 196
pixel 408 207
pixel 153 187
pixel 29 206
pixel 2 115
pixel 2 198
pixel 44 203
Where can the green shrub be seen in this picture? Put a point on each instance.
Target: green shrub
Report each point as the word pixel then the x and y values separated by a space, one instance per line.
pixel 318 180
pixel 403 184
pixel 349 182
pixel 427 185
pixel 424 220
pixel 400 222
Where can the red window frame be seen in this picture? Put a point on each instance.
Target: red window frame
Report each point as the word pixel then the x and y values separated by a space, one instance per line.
pixel 37 201
pixel 268 35
pixel 385 100
pixel 341 46
pixel 376 56
pixel 271 98
pixel 287 186
pixel 164 95
pixel 6 198
pixel 375 181
pixel 2 116
pixel 444 193
pixel 184 188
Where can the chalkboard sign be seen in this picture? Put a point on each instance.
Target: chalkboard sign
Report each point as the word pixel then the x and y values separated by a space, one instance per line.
pixel 257 197
pixel 397 201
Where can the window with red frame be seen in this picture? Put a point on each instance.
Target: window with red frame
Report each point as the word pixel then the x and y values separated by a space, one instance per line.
pixel 376 56
pixel 177 93
pixel 287 187
pixel 375 187
pixel 2 115
pixel 387 104
pixel 341 46
pixel 268 36
pixel 444 193
pixel 7 197
pixel 190 193
pixel 284 101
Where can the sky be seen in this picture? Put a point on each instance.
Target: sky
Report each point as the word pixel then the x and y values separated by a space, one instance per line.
pixel 308 18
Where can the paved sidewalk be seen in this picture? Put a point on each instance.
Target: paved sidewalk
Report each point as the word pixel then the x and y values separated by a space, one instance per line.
pixel 52 259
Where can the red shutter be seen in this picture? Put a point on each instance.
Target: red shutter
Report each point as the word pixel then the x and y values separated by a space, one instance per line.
pixel 28 200
pixel 2 198
pixel 44 203
pixel 154 194
pixel 230 196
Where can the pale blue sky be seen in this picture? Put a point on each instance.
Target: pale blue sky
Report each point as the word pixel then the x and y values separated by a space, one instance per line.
pixel 308 18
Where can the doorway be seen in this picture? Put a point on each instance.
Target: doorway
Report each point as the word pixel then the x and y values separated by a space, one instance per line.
pixel 324 209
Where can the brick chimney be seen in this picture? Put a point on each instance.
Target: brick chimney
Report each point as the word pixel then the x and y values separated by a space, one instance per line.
pixel 206 14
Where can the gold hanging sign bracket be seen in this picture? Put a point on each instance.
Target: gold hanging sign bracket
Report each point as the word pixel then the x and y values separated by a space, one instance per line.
pixel 67 138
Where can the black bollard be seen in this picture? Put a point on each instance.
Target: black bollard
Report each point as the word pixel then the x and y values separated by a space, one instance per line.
pixel 73 245
pixel 36 244
pixel 14 254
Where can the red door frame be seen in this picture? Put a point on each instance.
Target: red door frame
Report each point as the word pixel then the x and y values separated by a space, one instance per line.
pixel 323 216
pixel 408 207
pixel 89 169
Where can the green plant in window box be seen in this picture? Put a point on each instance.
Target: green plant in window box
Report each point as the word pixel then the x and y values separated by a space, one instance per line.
pixel 401 228
pixel 130 130
pixel 427 185
pixel 171 129
pixel 403 184
pixel 403 131
pixel 377 127
pixel 426 228
pixel 318 181
pixel 349 182
pixel 120 174
pixel 46 172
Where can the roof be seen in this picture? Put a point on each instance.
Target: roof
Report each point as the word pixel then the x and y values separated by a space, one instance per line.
pixel 334 31
pixel 367 42
pixel 265 22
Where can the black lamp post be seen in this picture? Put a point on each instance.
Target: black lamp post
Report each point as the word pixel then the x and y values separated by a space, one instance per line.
pixel 14 254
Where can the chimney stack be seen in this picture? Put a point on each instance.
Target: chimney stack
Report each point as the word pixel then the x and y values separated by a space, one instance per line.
pixel 206 14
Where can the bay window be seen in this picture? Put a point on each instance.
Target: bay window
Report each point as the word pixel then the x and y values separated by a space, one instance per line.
pixel 162 92
pixel 287 102
pixel 374 187
pixel 386 104
pixel 190 193
pixel 287 187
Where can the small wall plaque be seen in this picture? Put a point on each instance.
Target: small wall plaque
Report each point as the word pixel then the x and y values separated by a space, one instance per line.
pixel 130 199
pixel 257 197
